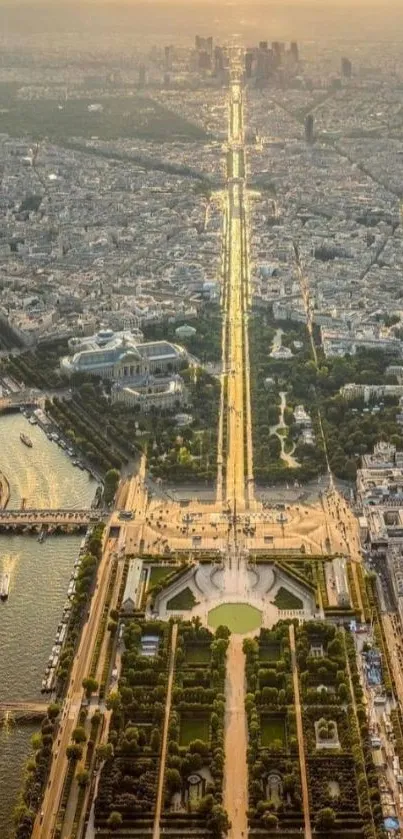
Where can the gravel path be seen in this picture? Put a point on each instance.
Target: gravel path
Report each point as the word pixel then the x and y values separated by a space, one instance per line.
pixel 236 770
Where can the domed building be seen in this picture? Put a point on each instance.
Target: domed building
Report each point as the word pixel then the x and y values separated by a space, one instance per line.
pixel 119 355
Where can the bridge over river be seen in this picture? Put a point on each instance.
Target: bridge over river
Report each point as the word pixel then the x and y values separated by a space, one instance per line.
pixel 30 398
pixel 32 519
pixel 24 710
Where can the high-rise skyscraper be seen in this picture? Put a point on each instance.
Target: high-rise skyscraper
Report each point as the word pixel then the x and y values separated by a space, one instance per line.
pixel 309 124
pixel 248 64
pixel 263 66
pixel 168 56
pixel 204 44
pixel 346 68
pixel 218 60
pixel 204 60
pixel 294 51
pixel 276 49
pixel 142 75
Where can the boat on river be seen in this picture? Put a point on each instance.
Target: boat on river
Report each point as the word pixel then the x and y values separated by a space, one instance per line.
pixel 26 440
pixel 4 586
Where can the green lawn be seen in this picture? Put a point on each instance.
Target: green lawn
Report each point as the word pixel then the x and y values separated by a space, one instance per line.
pixel 272 728
pixel 284 599
pixel 185 601
pixel 197 654
pixel 122 116
pixel 157 574
pixel 270 652
pixel 194 727
pixel 238 617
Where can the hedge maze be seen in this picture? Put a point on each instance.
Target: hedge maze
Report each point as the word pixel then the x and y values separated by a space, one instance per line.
pixel 128 784
pixel 274 776
pixel 193 789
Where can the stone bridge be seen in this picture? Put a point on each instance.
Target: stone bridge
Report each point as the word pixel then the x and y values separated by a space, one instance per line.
pixel 23 710
pixel 37 518
pixel 20 398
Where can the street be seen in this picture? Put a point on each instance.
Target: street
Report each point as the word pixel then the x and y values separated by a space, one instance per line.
pixel 44 825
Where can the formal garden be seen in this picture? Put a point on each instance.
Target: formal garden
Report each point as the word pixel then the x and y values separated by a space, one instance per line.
pixel 274 775
pixel 311 574
pixel 344 796
pixel 342 781
pixel 193 788
pixel 193 779
pixel 158 581
pixel 128 783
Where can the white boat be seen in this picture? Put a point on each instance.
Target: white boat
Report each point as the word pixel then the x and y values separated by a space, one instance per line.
pixel 4 586
pixel 26 440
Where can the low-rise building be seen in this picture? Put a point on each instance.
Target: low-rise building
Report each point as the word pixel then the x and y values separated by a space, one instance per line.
pixel 368 392
pixel 341 582
pixel 163 394
pixel 185 331
pixel 132 592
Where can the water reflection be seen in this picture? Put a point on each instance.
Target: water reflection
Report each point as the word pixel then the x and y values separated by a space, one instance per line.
pixel 39 576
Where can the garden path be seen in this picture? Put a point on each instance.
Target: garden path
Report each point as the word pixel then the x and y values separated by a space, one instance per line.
pixel 279 430
pixel 236 770
pixel 300 734
pixel 158 806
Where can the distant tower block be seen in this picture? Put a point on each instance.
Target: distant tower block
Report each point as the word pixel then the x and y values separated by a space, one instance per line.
pixel 204 44
pixel 294 51
pixel 309 125
pixel 346 68
pixel 168 56
pixel 278 52
pixel 248 64
pixel 263 63
pixel 204 60
pixel 142 75
pixel 218 60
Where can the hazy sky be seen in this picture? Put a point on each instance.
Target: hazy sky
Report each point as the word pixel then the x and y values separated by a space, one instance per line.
pixel 178 20
pixel 323 5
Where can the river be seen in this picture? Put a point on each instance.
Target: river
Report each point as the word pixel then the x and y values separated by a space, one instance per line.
pixel 39 577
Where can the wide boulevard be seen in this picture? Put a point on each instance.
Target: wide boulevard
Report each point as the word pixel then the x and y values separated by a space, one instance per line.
pixel 235 477
pixel 233 525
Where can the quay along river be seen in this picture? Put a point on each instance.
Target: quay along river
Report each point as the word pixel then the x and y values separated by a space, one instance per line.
pixel 39 576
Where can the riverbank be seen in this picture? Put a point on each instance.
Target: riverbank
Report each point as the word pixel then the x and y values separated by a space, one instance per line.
pixel 4 491
pixel 39 573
